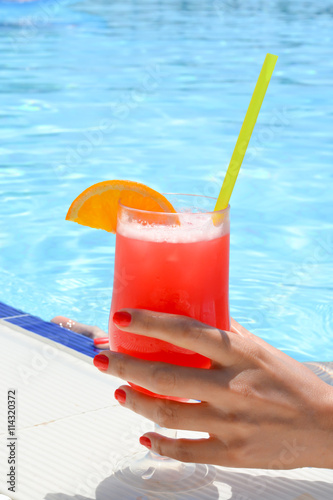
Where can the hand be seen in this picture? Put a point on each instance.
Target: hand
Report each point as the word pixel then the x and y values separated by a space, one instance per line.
pixel 100 338
pixel 260 407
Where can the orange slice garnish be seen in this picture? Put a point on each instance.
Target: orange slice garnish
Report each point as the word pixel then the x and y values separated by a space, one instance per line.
pixel 97 206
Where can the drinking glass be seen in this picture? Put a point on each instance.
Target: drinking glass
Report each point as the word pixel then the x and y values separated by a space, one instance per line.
pixel 174 263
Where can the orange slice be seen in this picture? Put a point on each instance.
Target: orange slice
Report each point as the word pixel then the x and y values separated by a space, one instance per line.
pixel 97 206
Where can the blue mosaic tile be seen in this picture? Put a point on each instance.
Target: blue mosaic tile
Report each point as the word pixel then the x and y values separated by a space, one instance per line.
pixel 56 333
pixel 8 311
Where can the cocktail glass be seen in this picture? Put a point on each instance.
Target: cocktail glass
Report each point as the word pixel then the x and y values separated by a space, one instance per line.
pixel 174 263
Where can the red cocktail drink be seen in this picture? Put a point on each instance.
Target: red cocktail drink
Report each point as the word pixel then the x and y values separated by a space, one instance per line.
pixel 173 263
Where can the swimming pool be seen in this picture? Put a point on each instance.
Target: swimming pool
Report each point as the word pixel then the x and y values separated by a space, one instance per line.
pixel 156 92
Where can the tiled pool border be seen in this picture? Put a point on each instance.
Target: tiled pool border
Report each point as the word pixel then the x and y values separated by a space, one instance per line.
pixel 68 339
pixel 48 330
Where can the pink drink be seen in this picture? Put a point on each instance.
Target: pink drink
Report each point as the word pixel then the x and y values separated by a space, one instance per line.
pixel 174 268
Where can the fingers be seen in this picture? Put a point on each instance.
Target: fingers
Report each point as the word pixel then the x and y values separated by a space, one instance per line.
pixel 182 331
pixel 200 451
pixel 102 343
pixel 167 413
pixel 86 330
pixel 200 417
pixel 160 378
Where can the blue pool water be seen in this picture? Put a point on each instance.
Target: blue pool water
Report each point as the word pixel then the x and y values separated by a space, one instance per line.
pixel 156 91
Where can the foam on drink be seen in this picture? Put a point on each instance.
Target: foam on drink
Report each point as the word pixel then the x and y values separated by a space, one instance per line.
pixel 186 232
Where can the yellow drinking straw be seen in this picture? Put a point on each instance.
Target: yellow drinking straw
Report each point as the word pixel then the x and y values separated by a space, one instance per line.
pixel 246 132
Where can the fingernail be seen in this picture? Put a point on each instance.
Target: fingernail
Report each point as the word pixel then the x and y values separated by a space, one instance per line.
pixel 101 362
pixel 122 318
pixel 101 340
pixel 145 441
pixel 120 396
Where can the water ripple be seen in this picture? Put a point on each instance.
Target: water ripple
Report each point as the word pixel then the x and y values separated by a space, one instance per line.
pixel 172 81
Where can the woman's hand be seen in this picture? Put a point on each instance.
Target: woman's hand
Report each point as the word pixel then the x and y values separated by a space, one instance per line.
pixel 95 333
pixel 260 407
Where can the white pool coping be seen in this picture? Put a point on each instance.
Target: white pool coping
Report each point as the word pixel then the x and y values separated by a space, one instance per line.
pixel 71 433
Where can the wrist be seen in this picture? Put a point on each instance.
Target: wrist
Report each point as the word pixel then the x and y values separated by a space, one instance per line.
pixel 326 426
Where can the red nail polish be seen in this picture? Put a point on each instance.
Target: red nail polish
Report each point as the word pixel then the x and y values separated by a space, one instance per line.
pixel 122 318
pixel 145 441
pixel 101 362
pixel 101 340
pixel 120 396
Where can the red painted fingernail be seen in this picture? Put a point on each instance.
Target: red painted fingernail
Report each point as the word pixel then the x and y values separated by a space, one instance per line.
pixel 120 396
pixel 122 318
pixel 101 362
pixel 101 340
pixel 145 441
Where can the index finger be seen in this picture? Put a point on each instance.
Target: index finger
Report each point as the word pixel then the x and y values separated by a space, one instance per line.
pixel 182 331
